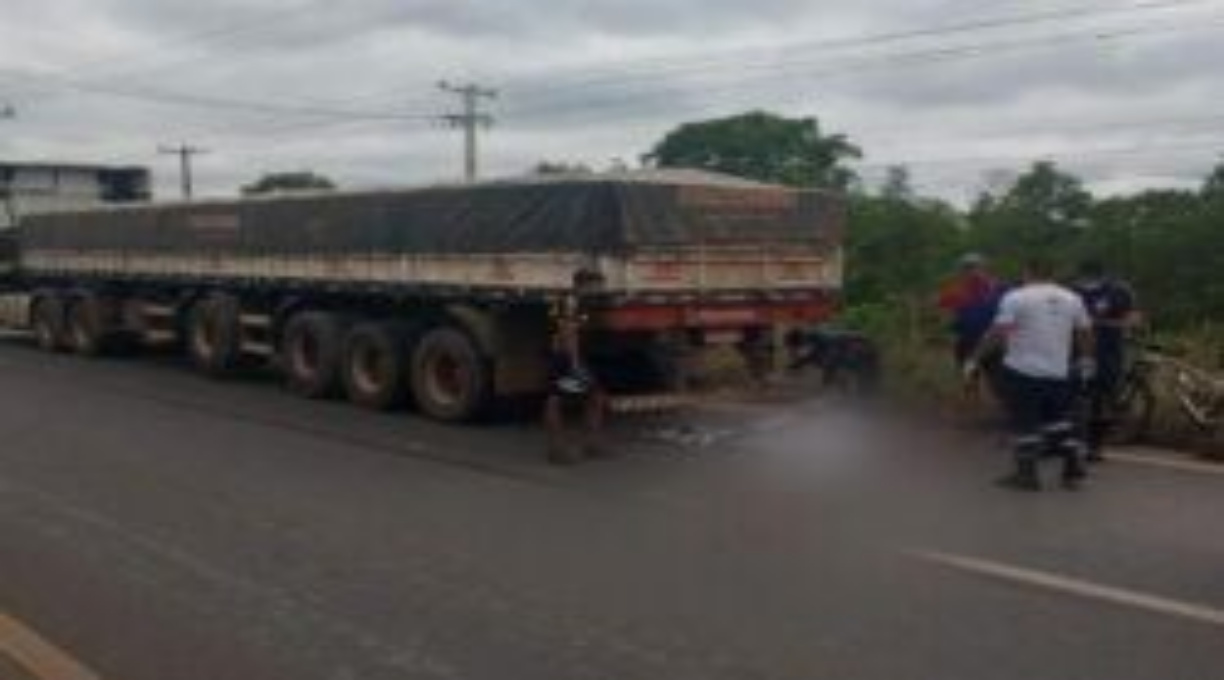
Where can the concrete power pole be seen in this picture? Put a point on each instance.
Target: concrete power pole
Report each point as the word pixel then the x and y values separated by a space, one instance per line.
pixel 469 120
pixel 185 152
pixel 7 112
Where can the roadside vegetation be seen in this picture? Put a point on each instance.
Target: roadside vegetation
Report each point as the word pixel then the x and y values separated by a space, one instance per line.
pixel 1168 243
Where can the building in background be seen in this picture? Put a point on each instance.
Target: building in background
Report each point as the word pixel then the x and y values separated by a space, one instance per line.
pixel 43 187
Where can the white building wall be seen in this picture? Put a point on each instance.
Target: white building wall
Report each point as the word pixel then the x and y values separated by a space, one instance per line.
pixel 47 188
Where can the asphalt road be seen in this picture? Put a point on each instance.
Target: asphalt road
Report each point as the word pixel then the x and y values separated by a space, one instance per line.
pixel 158 526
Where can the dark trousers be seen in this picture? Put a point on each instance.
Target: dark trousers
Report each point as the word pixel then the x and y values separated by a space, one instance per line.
pixel 1042 424
pixel 1101 394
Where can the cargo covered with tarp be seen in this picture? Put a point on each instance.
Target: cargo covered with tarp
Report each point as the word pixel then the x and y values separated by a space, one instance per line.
pixel 595 214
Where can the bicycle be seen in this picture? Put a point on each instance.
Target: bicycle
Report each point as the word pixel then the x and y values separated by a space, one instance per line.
pixel 1197 393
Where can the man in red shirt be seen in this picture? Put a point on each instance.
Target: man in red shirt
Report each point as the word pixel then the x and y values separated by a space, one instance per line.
pixel 970 299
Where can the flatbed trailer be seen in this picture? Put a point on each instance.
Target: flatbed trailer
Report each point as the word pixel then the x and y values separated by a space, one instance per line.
pixel 443 297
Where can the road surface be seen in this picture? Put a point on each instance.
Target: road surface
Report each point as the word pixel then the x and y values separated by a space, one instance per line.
pixel 159 526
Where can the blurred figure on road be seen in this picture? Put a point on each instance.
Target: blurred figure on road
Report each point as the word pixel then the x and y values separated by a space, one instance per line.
pixel 573 390
pixel 1111 304
pixel 1046 335
pixel 848 361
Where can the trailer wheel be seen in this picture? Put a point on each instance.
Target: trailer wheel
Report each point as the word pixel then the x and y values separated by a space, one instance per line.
pixel 214 335
pixel 375 365
pixel 86 332
pixel 451 380
pixel 311 352
pixel 48 323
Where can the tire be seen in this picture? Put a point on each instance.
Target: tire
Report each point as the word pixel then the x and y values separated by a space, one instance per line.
pixel 375 365
pixel 47 320
pixel 214 335
pixel 312 350
pixel 451 380
pixel 1133 413
pixel 86 328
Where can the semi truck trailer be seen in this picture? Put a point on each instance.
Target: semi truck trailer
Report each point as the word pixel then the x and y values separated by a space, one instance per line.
pixel 442 298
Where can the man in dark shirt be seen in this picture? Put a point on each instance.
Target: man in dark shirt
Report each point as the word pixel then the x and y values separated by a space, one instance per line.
pixel 1111 304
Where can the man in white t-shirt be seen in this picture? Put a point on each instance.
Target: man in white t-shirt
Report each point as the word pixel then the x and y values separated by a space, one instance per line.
pixel 1047 336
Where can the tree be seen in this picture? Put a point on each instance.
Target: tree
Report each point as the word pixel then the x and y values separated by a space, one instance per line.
pixel 1166 243
pixel 898 247
pixel 1044 212
pixel 1213 187
pixel 762 146
pixel 280 182
pixel 897 184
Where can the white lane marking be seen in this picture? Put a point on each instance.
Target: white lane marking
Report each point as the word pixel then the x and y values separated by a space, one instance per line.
pixel 41 658
pixel 1179 463
pixel 1077 587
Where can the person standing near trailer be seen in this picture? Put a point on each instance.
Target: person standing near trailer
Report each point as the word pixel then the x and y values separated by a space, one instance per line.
pixel 573 390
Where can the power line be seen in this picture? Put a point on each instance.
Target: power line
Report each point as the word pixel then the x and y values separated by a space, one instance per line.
pixel 1156 124
pixel 1053 126
pixel 878 63
pixel 905 58
pixel 655 68
pixel 883 62
pixel 185 153
pixel 338 112
pixel 274 18
pixel 1138 150
pixel 173 98
pixel 278 18
pixel 341 114
pixel 220 32
pixel 1068 155
pixel 650 69
pixel 469 119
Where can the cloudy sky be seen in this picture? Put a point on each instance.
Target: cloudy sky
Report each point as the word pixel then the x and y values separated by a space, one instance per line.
pixel 1130 93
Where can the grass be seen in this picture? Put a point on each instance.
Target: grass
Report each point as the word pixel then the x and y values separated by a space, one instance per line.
pixel 919 373
pixel 1203 347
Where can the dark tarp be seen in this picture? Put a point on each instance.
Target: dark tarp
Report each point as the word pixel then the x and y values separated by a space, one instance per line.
pixel 590 214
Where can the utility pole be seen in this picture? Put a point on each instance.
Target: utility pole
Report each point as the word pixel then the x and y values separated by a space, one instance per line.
pixel 469 120
pixel 185 152
pixel 7 112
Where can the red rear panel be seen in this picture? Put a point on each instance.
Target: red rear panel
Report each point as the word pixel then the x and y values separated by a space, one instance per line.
pixel 715 316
